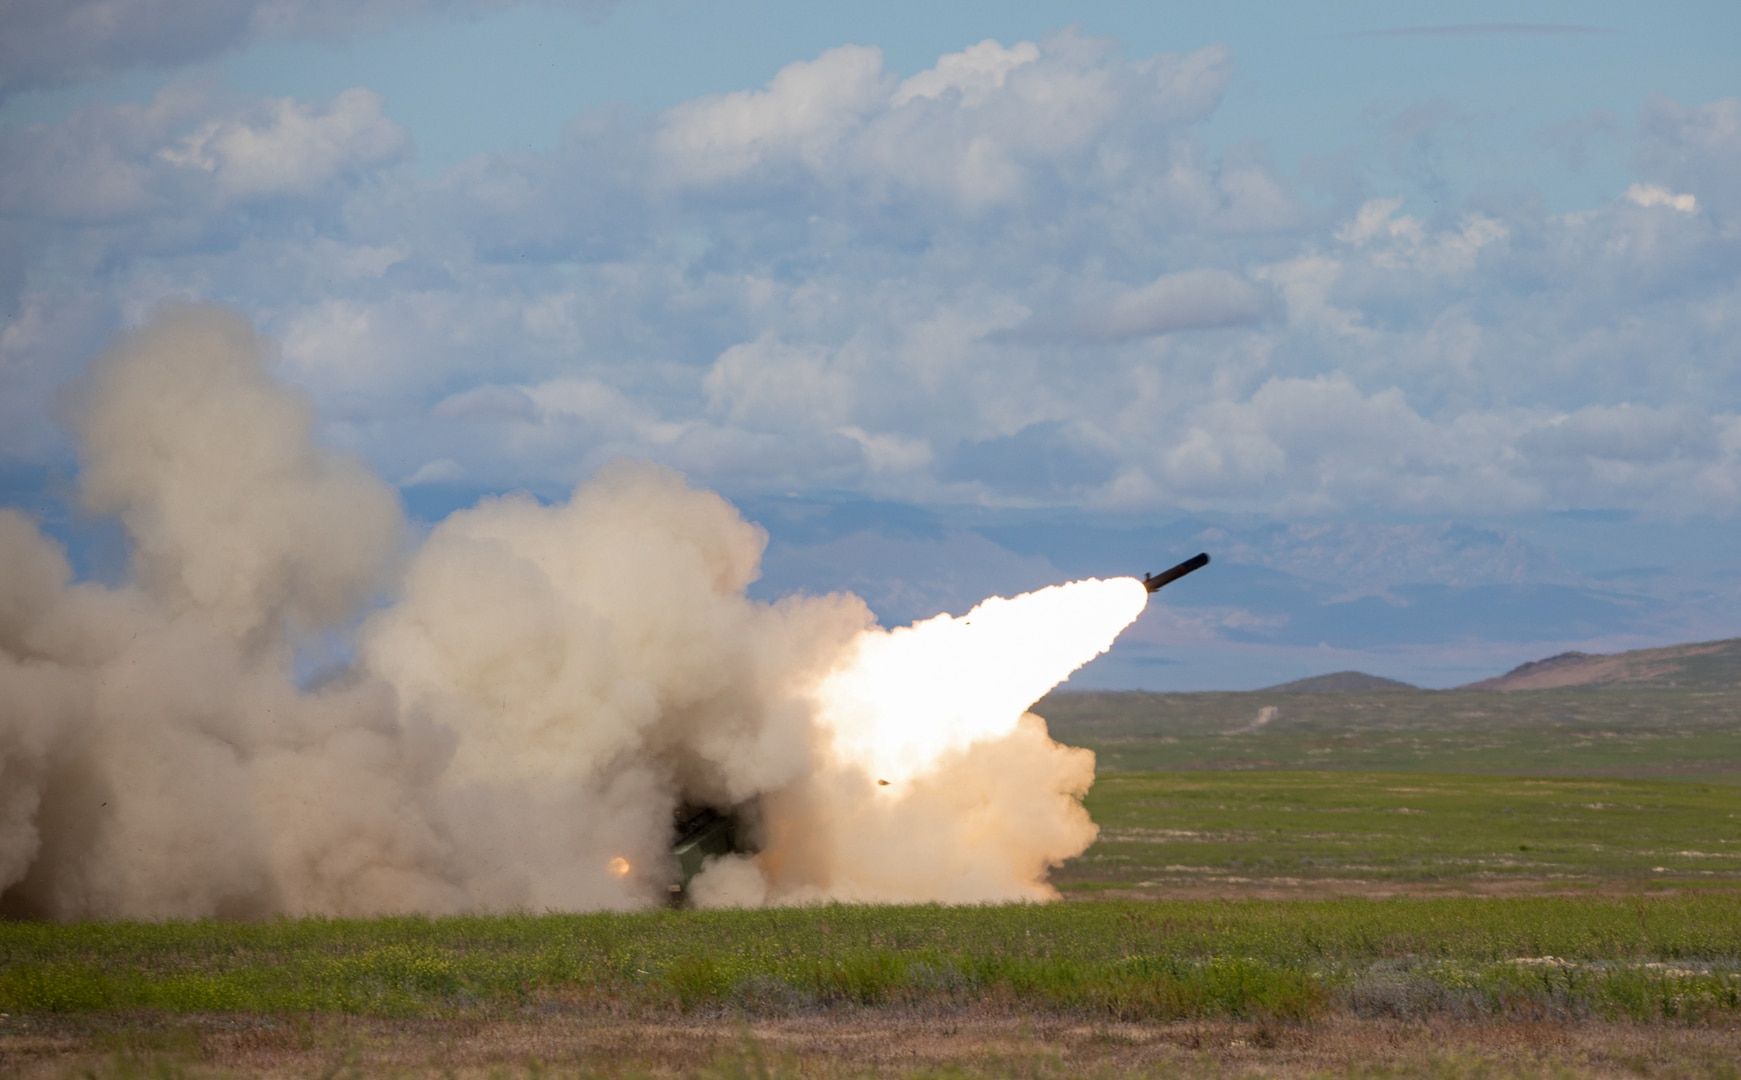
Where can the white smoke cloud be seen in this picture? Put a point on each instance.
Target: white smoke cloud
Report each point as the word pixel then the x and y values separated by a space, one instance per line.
pixel 211 466
pixel 545 687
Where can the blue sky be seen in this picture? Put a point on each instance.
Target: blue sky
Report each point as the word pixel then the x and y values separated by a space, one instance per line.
pixel 1421 317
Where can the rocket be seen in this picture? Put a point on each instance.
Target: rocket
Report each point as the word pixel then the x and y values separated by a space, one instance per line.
pixel 703 832
pixel 1153 582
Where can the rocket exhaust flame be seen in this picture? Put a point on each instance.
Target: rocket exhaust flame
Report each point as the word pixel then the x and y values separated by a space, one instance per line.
pixel 548 690
pixel 905 698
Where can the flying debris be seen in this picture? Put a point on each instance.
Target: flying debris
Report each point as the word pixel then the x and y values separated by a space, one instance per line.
pixel 1153 582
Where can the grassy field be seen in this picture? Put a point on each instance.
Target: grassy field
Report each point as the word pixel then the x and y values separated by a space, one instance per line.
pixel 1640 733
pixel 1637 958
pixel 1315 832
pixel 1419 987
pixel 1392 884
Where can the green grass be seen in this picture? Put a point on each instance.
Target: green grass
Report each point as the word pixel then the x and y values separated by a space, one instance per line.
pixel 1419 829
pixel 1670 957
pixel 1336 792
pixel 1664 733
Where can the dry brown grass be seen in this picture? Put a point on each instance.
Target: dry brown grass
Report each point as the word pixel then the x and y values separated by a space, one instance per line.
pixel 881 1043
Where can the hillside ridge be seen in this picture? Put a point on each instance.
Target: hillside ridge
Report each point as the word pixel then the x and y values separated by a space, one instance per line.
pixel 1707 665
pixel 1339 682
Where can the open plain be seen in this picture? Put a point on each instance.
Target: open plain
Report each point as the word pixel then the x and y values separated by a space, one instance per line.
pixel 1392 883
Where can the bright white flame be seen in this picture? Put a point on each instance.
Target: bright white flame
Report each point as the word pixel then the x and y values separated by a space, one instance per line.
pixel 907 697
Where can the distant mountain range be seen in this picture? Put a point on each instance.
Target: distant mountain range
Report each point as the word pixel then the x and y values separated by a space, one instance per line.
pixel 1341 682
pixel 1704 665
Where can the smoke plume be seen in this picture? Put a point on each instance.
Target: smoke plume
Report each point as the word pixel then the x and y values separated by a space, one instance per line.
pixel 537 688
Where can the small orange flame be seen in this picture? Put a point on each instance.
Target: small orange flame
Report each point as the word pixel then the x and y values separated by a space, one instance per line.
pixel 618 866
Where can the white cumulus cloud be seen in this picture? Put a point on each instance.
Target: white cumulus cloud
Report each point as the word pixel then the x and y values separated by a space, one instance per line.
pixel 1019 275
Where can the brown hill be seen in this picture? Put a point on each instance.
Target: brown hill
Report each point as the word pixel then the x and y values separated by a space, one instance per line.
pixel 1341 682
pixel 1705 665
